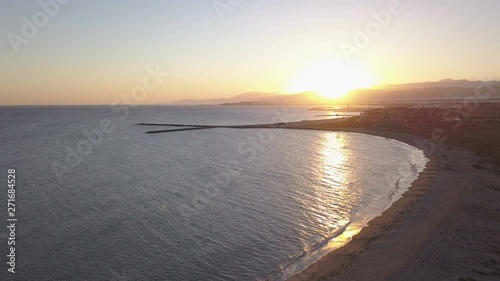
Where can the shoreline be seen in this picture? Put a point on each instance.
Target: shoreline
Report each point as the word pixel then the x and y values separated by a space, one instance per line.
pixel 341 240
pixel 343 256
pixel 381 252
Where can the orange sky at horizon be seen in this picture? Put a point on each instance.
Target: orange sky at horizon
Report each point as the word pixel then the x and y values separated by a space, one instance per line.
pixel 95 53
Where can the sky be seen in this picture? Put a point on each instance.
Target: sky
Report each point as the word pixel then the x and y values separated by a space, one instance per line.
pixel 93 52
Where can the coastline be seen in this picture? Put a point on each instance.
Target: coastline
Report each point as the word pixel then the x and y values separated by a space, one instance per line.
pixel 444 227
pixel 411 239
pixel 345 236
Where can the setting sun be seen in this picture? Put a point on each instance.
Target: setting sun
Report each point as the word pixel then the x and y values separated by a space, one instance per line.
pixel 332 79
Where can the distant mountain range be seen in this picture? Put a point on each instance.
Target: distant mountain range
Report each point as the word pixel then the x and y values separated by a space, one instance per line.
pixel 447 89
pixel 444 90
pixel 445 83
pixel 258 98
pixel 246 97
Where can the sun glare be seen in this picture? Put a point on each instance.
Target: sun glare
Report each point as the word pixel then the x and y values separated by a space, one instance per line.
pixel 331 79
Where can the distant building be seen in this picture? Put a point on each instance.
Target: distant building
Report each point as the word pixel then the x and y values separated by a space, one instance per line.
pixel 404 114
pixel 481 112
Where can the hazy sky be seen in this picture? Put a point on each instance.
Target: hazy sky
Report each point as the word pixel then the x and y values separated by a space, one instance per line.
pixel 91 52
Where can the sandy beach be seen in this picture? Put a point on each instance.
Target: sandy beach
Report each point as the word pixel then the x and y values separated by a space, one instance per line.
pixel 445 227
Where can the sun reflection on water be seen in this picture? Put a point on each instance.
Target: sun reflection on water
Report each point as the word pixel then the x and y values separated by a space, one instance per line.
pixel 335 156
pixel 336 194
pixel 331 187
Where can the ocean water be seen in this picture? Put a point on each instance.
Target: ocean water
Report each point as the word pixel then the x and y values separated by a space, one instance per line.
pixel 219 204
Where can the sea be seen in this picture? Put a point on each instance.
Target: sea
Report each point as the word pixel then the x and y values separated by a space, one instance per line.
pixel 99 199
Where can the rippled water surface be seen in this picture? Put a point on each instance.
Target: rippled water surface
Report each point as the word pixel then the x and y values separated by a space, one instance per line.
pixel 219 204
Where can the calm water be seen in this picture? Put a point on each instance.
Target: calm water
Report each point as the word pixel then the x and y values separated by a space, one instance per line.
pixel 216 204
